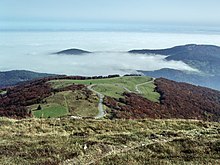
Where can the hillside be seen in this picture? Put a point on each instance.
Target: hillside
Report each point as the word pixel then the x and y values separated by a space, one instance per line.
pixel 205 58
pixel 64 141
pixel 177 100
pixel 68 96
pixel 129 97
pixel 57 120
pixel 73 52
pixel 14 77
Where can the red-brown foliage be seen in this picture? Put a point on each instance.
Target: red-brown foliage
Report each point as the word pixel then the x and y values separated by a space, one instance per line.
pixel 15 102
pixel 178 100
pixel 188 100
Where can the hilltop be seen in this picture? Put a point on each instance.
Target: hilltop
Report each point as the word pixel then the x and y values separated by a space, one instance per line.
pixel 73 52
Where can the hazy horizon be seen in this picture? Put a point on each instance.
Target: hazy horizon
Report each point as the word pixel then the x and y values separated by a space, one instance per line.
pixel 33 51
pixel 192 13
pixel 31 30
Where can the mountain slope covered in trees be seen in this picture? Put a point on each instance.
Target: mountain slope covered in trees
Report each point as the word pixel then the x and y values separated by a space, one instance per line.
pixel 205 58
pixel 10 78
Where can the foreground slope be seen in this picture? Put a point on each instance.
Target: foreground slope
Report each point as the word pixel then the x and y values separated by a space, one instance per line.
pixel 65 141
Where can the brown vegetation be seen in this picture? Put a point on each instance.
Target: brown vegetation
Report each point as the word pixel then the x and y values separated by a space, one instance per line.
pixel 14 103
pixel 178 100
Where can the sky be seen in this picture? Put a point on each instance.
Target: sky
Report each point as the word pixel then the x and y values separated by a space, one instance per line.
pixel 189 12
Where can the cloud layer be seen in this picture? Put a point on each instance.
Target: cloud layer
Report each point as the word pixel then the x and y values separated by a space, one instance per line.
pixel 32 51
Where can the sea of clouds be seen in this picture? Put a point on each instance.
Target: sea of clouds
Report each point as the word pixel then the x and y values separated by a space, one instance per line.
pixel 33 51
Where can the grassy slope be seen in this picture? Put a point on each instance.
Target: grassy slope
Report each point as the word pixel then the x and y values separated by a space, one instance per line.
pixel 149 93
pixel 113 87
pixel 52 110
pixel 67 103
pixel 53 141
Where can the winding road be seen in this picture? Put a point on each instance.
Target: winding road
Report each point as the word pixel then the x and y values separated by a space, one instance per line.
pixel 148 82
pixel 101 113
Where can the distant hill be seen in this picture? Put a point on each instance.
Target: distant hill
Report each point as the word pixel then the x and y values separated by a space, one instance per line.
pixel 10 78
pixel 206 58
pixel 73 52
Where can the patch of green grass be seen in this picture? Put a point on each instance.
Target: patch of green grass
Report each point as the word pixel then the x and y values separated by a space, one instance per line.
pixel 111 90
pixel 126 81
pixel 115 87
pixel 53 141
pixel 67 103
pixel 148 91
pixel 52 110
pixel 81 105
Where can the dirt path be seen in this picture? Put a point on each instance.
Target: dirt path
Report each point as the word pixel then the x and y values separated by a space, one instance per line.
pixel 101 113
pixel 120 151
pixel 138 85
pixel 66 103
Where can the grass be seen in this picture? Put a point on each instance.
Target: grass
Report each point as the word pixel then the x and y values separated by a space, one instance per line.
pixel 63 141
pixel 80 105
pixel 127 81
pixel 115 87
pixel 53 110
pixel 111 90
pixel 66 103
pixel 149 92
pixel 2 92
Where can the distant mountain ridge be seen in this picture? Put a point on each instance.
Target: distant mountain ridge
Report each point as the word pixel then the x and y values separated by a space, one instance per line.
pixel 205 58
pixel 200 50
pixel 73 52
pixel 14 77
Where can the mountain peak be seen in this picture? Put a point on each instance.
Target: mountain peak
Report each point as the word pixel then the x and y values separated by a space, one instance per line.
pixel 73 51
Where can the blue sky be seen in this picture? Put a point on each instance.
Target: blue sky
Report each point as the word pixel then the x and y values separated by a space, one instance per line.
pixel 192 12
